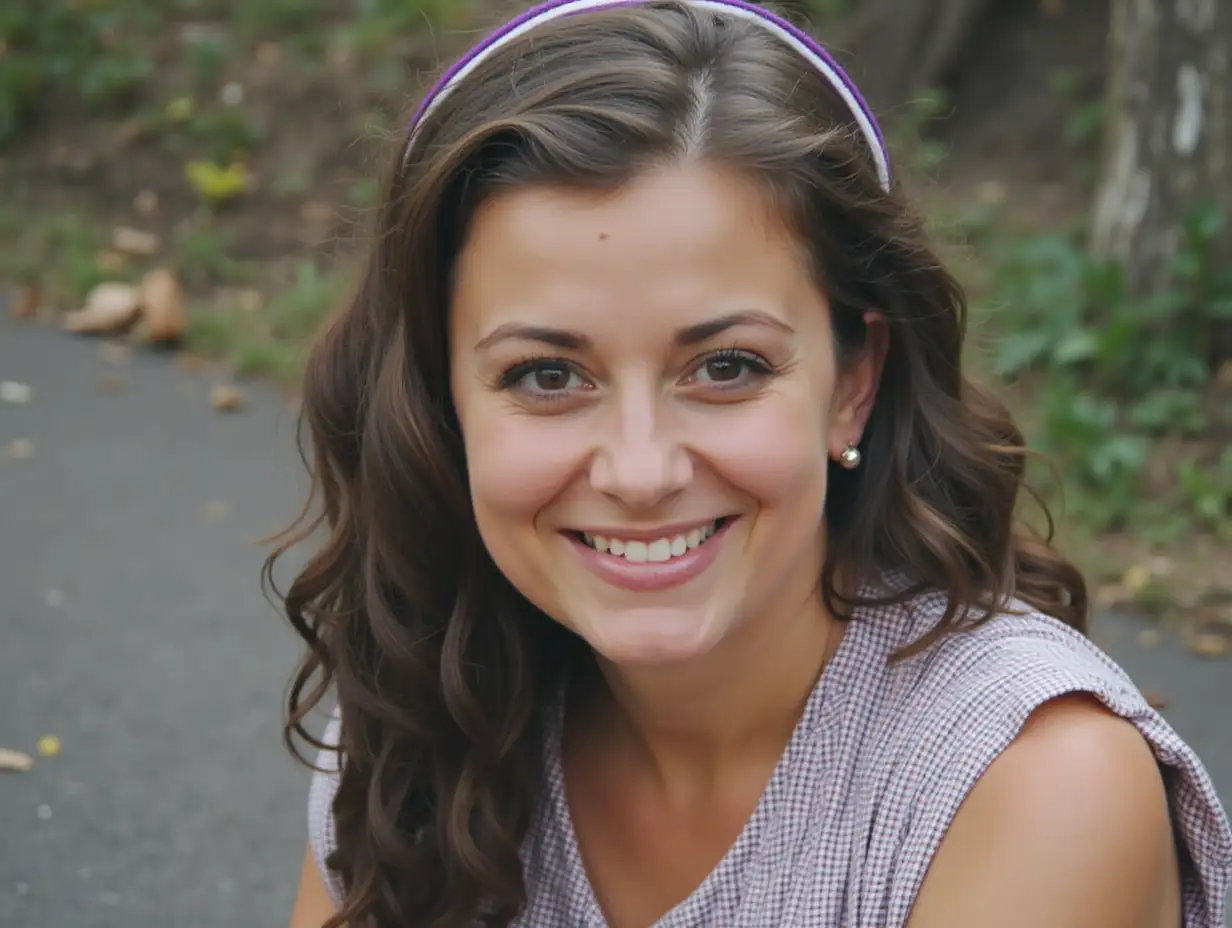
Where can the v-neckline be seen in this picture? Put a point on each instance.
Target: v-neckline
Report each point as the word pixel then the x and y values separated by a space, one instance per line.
pixel 821 707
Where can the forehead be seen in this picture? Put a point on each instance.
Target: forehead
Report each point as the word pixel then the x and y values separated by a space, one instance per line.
pixel 681 241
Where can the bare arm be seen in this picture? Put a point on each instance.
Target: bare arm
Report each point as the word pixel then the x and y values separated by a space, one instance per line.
pixel 1068 828
pixel 313 907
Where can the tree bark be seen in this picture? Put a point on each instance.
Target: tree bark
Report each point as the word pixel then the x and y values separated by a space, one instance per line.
pixel 1170 139
pixel 897 47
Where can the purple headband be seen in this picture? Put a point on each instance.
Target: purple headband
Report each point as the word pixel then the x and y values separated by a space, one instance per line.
pixel 799 40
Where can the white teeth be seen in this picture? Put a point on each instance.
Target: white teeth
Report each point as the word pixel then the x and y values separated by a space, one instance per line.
pixel 637 552
pixel 655 552
pixel 659 551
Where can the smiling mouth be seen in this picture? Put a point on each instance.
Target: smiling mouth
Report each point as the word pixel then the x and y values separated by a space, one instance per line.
pixel 656 551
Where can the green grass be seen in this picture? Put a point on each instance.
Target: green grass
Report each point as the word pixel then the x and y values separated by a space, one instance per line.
pixel 270 339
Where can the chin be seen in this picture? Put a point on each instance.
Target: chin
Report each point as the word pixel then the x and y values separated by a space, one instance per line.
pixel 653 636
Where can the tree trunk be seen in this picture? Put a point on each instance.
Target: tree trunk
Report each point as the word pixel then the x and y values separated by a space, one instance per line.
pixel 1170 139
pixel 897 47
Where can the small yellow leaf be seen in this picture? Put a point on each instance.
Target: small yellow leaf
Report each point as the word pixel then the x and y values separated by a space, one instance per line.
pixel 179 109
pixel 1137 577
pixel 48 746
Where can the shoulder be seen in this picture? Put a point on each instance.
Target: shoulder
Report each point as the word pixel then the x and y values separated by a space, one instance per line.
pixel 1021 736
pixel 1075 806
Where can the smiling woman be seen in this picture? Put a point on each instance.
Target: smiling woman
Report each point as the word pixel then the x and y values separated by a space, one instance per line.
pixel 672 573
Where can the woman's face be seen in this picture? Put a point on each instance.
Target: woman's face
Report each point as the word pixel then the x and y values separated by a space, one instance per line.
pixel 649 395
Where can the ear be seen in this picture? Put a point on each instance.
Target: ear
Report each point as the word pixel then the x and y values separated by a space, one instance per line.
pixel 855 389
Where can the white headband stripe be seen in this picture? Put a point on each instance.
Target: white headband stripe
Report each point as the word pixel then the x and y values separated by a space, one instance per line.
pixel 837 81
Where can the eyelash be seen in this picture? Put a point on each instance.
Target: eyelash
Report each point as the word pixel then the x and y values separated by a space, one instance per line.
pixel 513 376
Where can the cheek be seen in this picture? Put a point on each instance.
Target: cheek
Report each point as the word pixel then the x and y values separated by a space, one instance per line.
pixel 775 451
pixel 517 465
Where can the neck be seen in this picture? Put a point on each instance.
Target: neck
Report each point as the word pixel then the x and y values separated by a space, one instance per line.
pixel 740 701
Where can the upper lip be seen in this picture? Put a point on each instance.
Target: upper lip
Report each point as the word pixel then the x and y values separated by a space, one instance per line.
pixel 649 534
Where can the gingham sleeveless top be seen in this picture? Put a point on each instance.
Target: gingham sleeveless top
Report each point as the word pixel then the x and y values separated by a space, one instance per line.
pixel 878 765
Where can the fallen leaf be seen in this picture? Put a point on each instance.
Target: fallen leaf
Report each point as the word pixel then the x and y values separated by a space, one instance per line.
pixel 1223 376
pixel 1209 644
pixel 1137 577
pixel 249 300
pixel 226 398
pixel 111 261
pixel 16 393
pixel 162 307
pixel 216 510
pixel 15 761
pixel 20 449
pixel 113 383
pixel 146 203
pixel 190 363
pixel 134 241
pixel 1149 638
pixel 1155 700
pixel 109 307
pixel 24 304
pixel 317 213
pixel 48 746
pixel 268 53
pixel 115 353
pixel 232 93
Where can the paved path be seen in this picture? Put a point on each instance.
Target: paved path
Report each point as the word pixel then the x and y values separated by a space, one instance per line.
pixel 133 628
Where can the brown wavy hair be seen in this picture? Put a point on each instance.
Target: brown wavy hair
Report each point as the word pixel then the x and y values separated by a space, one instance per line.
pixel 441 669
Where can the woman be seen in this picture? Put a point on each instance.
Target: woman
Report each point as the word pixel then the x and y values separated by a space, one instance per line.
pixel 672 574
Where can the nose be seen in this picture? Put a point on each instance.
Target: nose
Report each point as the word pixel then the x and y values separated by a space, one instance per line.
pixel 640 462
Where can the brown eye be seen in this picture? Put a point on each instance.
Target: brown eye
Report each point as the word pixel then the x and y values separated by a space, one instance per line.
pixel 731 369
pixel 550 378
pixel 724 370
pixel 543 378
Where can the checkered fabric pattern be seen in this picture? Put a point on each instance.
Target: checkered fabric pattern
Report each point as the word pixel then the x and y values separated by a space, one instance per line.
pixel 866 789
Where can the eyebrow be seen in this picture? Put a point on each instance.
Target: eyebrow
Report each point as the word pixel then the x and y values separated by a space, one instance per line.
pixel 689 335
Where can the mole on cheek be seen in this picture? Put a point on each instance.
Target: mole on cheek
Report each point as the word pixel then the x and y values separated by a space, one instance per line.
pixel 603 236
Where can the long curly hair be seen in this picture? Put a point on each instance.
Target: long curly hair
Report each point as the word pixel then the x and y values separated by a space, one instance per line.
pixel 440 668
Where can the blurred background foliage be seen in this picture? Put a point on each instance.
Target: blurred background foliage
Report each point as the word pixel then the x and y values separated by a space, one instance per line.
pixel 237 143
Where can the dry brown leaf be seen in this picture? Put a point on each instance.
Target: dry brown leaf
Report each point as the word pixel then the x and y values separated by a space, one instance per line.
pixel 1209 644
pixel 1155 700
pixel 25 302
pixel 249 300
pixel 20 449
pixel 162 307
pixel 268 53
pixel 134 241
pixel 111 261
pixel 109 307
pixel 227 398
pixel 1149 638
pixel 146 203
pixel 15 761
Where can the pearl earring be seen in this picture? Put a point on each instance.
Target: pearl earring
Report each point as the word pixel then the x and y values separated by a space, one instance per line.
pixel 851 457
